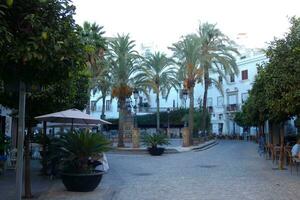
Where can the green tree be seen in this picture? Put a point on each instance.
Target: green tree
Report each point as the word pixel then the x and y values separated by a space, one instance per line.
pixel 186 53
pixel 124 64
pixel 283 72
pixel 216 57
pixel 158 73
pixel 103 83
pixel 95 46
pixel 39 47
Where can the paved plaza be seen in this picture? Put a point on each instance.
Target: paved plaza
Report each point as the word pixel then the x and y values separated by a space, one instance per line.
pixel 228 171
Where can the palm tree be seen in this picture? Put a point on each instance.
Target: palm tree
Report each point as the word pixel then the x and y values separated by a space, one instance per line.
pixel 216 56
pixel 186 52
pixel 157 74
pixel 94 45
pixel 103 83
pixel 124 60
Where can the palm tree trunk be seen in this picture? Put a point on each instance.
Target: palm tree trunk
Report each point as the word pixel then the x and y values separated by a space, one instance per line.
pixel 103 107
pixel 121 123
pixel 281 160
pixel 191 115
pixel 206 83
pixel 157 112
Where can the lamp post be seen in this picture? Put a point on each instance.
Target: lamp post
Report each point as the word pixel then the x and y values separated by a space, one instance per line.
pixel 168 129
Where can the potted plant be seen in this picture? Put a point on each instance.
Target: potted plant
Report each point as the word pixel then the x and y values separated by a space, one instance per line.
pixel 78 153
pixel 153 141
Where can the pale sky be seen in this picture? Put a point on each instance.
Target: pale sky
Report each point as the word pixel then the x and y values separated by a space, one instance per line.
pixel 160 23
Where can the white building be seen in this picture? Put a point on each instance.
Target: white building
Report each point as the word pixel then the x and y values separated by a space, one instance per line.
pixel 221 107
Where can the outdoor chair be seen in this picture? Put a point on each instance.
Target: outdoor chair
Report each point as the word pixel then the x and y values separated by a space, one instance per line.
pixel 267 151
pixel 290 159
pixel 296 162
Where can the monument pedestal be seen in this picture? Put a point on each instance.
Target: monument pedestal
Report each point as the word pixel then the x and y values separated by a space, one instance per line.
pixel 135 138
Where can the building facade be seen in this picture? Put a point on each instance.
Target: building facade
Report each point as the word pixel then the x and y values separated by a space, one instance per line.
pixel 222 107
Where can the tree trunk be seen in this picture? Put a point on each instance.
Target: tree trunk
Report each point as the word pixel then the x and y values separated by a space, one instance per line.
pixel 103 107
pixel 206 83
pixel 271 132
pixel 88 106
pixel 21 128
pixel 281 160
pixel 44 161
pixel 121 123
pixel 27 177
pixel 157 112
pixel 191 115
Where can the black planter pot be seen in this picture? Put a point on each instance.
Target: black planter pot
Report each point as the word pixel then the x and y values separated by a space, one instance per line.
pixel 156 151
pixel 81 182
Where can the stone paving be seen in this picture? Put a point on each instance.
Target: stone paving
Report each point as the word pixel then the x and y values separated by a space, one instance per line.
pixel 228 171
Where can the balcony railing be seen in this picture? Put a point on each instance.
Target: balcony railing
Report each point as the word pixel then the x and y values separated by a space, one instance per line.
pixel 153 109
pixel 232 107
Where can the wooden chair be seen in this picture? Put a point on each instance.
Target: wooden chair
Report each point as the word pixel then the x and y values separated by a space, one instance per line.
pixel 296 162
pixel 290 159
pixel 272 150
pixel 268 151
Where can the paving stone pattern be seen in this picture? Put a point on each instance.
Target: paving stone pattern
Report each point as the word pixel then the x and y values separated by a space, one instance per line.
pixel 231 170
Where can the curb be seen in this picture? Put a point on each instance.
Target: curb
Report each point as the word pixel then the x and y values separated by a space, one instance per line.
pixel 207 146
pixel 168 150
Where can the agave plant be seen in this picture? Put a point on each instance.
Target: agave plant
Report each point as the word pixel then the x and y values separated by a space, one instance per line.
pixel 154 140
pixel 78 150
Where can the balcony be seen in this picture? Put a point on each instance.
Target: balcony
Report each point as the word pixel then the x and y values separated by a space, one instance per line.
pixel 232 108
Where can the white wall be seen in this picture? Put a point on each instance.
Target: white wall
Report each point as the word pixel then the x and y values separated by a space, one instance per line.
pixel 238 87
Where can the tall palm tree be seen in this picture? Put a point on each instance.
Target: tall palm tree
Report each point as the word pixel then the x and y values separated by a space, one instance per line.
pixel 102 83
pixel 216 57
pixel 186 53
pixel 124 60
pixel 94 45
pixel 158 74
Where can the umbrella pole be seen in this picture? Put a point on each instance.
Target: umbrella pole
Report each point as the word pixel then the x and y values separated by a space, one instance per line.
pixel 72 126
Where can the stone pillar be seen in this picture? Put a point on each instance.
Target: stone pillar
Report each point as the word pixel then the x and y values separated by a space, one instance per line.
pixel 185 138
pixel 135 138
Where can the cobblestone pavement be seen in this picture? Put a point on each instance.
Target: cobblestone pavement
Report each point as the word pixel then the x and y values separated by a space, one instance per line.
pixel 228 171
pixel 231 170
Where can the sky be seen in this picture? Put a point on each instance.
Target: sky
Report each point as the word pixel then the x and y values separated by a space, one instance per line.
pixel 159 23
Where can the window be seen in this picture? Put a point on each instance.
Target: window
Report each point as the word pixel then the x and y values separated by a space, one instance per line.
pixel 232 99
pixel 232 78
pixel 220 116
pixel 209 102
pixel 220 100
pixel 220 79
pixel 244 97
pixel 93 106
pixel 245 75
pixel 173 103
pixel 108 105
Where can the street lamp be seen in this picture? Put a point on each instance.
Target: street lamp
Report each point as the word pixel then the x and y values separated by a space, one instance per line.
pixel 135 96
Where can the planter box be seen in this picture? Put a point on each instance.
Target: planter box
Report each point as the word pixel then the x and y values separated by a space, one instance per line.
pixel 81 182
pixel 156 151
